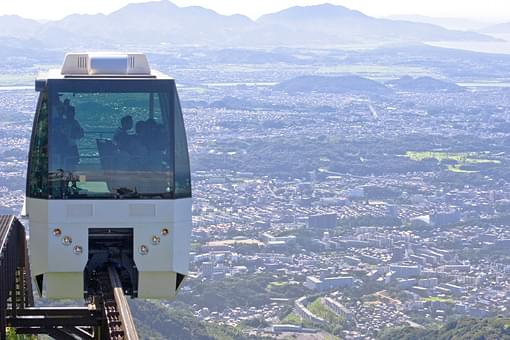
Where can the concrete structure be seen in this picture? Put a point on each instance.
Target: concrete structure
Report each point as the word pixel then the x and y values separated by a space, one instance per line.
pixel 404 271
pixel 327 221
pixel 337 308
pixel 315 283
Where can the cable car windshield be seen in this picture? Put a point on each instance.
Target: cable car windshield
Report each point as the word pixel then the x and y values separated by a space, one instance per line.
pixel 112 139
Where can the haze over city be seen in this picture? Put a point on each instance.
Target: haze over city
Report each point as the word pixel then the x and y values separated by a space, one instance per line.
pixel 350 161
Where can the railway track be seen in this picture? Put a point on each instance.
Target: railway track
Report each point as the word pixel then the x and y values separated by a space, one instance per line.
pixel 107 317
pixel 116 311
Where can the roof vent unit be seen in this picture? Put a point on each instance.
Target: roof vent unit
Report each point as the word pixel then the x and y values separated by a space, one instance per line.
pixel 106 64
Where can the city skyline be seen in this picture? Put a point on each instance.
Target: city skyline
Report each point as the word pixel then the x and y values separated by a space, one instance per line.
pixel 350 175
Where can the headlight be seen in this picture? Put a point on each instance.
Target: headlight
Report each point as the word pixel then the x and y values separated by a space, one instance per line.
pixel 155 240
pixel 67 240
pixel 78 250
pixel 144 250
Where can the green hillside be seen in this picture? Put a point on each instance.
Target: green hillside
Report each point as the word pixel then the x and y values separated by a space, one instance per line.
pixel 153 321
pixel 464 329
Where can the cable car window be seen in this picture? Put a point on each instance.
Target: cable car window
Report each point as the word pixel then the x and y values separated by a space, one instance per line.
pixel 37 179
pixel 115 139
pixel 182 169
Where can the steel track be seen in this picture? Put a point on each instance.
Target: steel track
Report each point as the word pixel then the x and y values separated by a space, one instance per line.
pixel 119 322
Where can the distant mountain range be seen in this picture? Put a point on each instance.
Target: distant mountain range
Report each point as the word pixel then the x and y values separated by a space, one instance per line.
pixel 332 84
pixel 162 22
pixel 503 28
pixel 423 84
pixel 449 23
pixel 353 84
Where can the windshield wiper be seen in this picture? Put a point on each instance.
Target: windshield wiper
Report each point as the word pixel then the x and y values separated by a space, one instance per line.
pixel 126 193
pixel 158 195
pixel 130 193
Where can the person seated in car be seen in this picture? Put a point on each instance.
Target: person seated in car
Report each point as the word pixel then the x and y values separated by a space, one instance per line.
pixel 122 138
pixel 73 132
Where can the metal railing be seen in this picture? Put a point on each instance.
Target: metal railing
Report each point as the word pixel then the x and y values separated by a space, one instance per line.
pixel 107 316
pixel 15 283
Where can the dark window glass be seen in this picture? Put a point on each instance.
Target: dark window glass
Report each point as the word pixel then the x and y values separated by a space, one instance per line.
pixel 37 177
pixel 182 169
pixel 114 139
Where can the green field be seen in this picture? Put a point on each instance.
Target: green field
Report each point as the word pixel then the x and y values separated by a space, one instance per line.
pixel 17 79
pixel 292 319
pixel 377 71
pixel 438 299
pixel 275 284
pixel 461 159
pixel 317 308
pixel 196 246
pixel 196 89
pixel 11 335
pixel 24 76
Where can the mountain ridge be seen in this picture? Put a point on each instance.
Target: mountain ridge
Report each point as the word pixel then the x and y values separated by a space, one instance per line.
pixel 352 84
pixel 460 24
pixel 160 22
pixel 326 9
pixel 502 28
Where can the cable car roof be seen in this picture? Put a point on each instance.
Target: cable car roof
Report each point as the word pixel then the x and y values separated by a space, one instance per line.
pixel 97 65
pixel 120 64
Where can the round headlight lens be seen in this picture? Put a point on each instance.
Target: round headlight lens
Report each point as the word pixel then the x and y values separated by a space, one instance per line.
pixel 78 250
pixel 156 240
pixel 67 240
pixel 144 250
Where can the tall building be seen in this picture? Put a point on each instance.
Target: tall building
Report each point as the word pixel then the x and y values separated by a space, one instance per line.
pixel 315 283
pixel 445 217
pixel 405 271
pixel 207 269
pixel 326 221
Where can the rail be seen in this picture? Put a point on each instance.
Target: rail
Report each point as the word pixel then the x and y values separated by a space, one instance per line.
pixel 117 314
pixel 107 317
pixel 15 283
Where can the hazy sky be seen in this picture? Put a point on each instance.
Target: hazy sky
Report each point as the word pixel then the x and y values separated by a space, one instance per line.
pixel 493 10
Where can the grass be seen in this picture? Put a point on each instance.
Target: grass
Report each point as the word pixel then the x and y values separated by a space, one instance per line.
pixel 462 159
pixel 317 308
pixel 275 284
pixel 458 168
pixel 11 335
pixel 196 89
pixel 196 246
pixel 248 242
pixel 246 68
pixel 438 299
pixel 292 319
pixel 381 71
pixel 219 332
pixel 23 79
